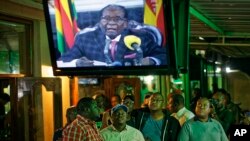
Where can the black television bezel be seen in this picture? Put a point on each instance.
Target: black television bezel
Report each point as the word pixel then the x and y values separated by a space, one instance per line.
pixel 132 70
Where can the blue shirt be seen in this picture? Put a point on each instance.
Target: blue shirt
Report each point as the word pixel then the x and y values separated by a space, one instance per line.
pixel 152 129
pixel 195 130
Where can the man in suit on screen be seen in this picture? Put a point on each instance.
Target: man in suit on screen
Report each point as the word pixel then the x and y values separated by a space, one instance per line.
pixel 105 43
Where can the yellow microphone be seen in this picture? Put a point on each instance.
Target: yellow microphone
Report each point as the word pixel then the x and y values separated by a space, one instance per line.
pixel 132 42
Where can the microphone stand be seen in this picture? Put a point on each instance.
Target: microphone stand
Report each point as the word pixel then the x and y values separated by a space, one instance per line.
pixel 139 55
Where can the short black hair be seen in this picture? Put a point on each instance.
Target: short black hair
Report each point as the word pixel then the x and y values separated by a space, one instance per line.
pixel 178 99
pixel 83 103
pixel 203 98
pixel 5 97
pixel 117 7
pixel 222 90
pixel 197 92
pixel 71 110
pixel 147 96
pixel 131 97
pixel 225 93
pixel 118 97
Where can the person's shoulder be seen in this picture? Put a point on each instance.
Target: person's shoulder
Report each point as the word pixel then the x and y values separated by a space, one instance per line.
pixel 192 120
pixel 214 121
pixel 78 123
pixel 132 128
pixel 106 129
pixel 190 123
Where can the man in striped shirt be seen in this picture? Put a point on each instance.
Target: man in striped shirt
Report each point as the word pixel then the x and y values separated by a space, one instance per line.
pixel 83 128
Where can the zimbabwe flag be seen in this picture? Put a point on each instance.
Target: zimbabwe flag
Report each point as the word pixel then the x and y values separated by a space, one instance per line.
pixel 66 25
pixel 154 15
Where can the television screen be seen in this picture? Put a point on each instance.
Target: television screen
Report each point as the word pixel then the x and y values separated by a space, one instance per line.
pixel 88 81
pixel 109 37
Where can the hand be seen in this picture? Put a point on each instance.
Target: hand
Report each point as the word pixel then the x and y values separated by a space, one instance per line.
pixel 84 62
pixel 147 61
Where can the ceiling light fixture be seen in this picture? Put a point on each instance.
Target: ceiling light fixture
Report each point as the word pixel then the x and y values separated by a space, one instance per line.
pixel 217 62
pixel 218 70
pixel 201 38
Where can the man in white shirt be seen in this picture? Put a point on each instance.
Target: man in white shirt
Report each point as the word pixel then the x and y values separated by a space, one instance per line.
pixel 176 107
pixel 119 130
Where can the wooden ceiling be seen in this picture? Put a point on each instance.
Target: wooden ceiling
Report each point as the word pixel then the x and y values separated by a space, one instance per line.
pixel 223 24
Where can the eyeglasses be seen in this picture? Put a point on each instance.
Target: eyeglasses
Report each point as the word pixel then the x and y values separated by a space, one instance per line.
pixel 115 19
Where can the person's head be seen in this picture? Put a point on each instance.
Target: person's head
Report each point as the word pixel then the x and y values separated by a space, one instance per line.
pixel 88 108
pixel 115 99
pixel 119 114
pixel 100 100
pixel 129 102
pixel 4 98
pixel 146 100
pixel 155 102
pixel 228 98
pixel 175 103
pixel 196 92
pixel 202 109
pixel 215 87
pixel 71 114
pixel 220 99
pixel 227 95
pixel 113 20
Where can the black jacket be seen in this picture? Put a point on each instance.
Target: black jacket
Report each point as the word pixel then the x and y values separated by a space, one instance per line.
pixel 170 129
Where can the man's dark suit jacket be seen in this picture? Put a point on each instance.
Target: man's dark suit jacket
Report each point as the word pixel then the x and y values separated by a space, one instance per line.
pixel 91 45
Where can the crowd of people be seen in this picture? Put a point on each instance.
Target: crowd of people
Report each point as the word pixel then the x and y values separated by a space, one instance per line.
pixel 211 118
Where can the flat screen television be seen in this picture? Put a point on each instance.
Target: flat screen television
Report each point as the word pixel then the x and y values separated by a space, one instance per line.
pixel 110 37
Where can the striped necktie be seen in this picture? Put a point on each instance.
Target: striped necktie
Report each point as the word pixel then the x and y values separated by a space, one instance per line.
pixel 113 49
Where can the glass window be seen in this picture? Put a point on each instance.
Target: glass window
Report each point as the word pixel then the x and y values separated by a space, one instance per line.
pixel 15 42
